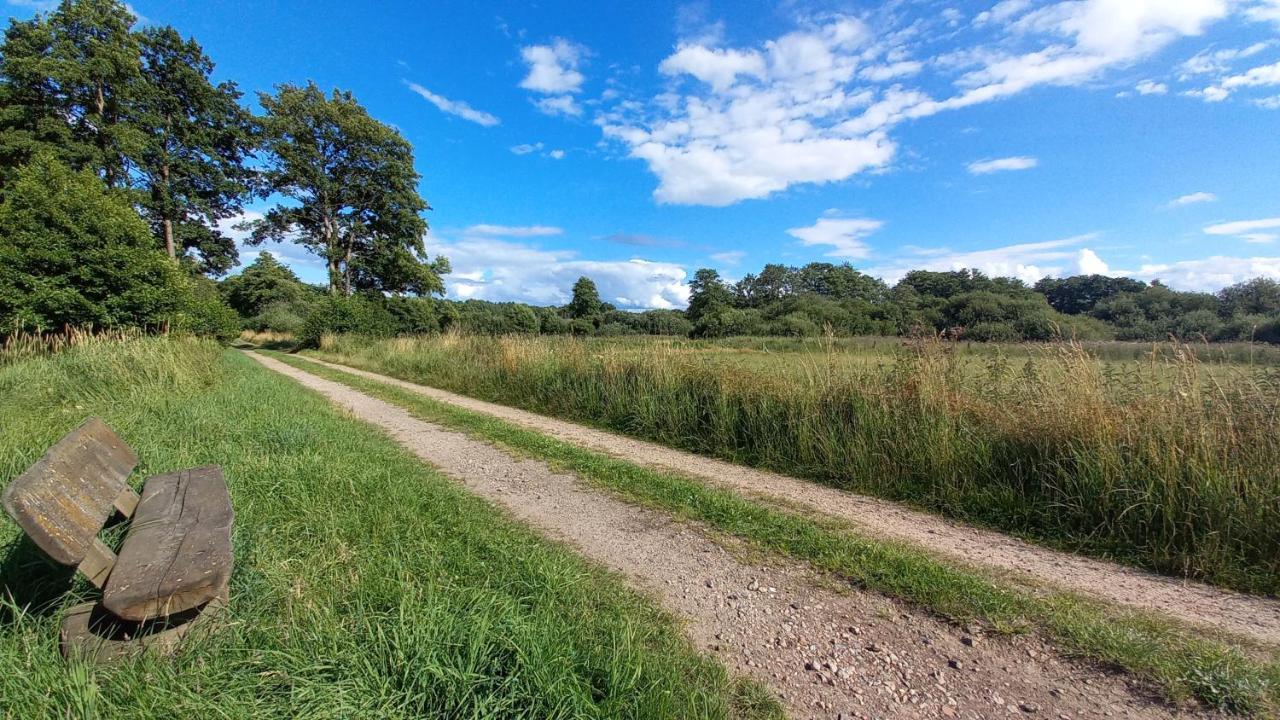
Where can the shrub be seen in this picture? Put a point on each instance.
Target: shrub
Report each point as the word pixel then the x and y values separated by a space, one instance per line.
pixel 204 312
pixel 357 314
pixel 73 253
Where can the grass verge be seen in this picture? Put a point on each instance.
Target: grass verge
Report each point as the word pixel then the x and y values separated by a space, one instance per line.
pixel 1180 663
pixel 366 584
pixel 1164 463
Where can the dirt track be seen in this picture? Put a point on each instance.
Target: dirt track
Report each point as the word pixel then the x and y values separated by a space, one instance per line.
pixel 1248 616
pixel 827 653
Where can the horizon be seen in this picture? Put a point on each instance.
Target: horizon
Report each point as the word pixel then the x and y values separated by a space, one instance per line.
pixel 635 146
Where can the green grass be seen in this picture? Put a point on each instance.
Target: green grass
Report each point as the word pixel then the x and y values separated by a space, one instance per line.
pixel 1167 463
pixel 366 584
pixel 1180 663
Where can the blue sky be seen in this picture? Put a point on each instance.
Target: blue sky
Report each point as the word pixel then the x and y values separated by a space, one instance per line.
pixel 637 142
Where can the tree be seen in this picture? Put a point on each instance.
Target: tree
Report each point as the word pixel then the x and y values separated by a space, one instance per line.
pixel 707 292
pixel 73 252
pixel 772 284
pixel 191 169
pixel 1260 296
pixel 586 299
pixel 1081 293
pixel 352 192
pixel 69 80
pixel 264 282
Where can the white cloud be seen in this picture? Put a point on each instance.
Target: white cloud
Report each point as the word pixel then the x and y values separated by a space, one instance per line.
pixel 556 154
pixel 1263 75
pixel 816 105
pixel 553 69
pixel 1208 274
pixel 986 167
pixel 526 148
pixel 1268 103
pixel 1217 62
pixel 845 236
pixel 1026 261
pixel 1259 238
pixel 1151 87
pixel 513 230
pixel 490 269
pixel 1191 199
pixel 718 68
pixel 1240 227
pixel 1088 263
pixel 1264 11
pixel 559 105
pixel 455 107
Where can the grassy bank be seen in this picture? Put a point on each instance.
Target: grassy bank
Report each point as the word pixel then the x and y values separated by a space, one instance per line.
pixel 366 584
pixel 1179 663
pixel 1161 463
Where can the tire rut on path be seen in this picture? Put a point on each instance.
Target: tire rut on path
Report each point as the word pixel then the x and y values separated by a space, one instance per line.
pixel 1248 616
pixel 827 653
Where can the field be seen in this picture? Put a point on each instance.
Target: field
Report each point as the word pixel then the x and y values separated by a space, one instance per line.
pixel 366 584
pixel 1166 457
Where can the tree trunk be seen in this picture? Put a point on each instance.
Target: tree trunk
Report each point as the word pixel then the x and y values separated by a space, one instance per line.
pixel 168 222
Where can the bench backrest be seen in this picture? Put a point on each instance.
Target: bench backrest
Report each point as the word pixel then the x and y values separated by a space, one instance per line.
pixel 64 499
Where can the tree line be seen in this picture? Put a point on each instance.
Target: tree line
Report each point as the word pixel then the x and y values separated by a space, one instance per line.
pixel 794 301
pixel 121 161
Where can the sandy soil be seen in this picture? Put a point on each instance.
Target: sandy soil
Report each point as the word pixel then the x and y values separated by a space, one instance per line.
pixel 1248 616
pixel 827 652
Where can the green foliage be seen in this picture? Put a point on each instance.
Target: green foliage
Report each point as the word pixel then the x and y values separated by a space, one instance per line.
pixel 351 191
pixel 347 314
pixel 707 294
pixel 136 108
pixel 73 253
pixel 265 282
pixel 586 300
pixel 205 313
pixel 1080 294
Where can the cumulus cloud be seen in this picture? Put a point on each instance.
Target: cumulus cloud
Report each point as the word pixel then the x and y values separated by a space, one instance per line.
pixel 513 230
pixel 1088 263
pixel 553 69
pixel 454 107
pixel 843 235
pixel 1208 274
pixel 1268 103
pixel 554 74
pixel 556 154
pixel 817 105
pixel 986 167
pixel 1026 261
pixel 487 268
pixel 1192 199
pixel 1261 76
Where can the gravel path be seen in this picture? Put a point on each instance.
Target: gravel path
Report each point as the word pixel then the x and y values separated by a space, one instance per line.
pixel 827 653
pixel 1249 616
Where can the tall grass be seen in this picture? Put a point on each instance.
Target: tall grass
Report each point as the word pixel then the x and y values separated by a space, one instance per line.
pixel 1156 462
pixel 366 584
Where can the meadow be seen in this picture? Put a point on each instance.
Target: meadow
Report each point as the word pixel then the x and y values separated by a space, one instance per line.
pixel 366 584
pixel 1162 456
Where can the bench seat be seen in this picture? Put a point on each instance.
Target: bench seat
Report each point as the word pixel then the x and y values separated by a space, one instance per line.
pixel 177 555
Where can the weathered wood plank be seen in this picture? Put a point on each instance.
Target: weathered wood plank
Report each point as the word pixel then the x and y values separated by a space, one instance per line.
pixel 97 563
pixel 90 633
pixel 177 554
pixel 64 499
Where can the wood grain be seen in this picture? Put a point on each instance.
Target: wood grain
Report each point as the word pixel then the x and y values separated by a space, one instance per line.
pixel 177 554
pixel 64 499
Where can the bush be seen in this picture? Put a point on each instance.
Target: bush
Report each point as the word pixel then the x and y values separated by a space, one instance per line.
pixel 356 314
pixel 204 312
pixel 285 317
pixel 73 253
pixel 992 332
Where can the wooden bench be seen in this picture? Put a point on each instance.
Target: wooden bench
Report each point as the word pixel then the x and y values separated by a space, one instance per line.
pixel 175 561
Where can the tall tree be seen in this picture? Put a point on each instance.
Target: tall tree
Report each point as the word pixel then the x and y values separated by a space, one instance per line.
pixel 139 110
pixel 68 80
pixel 586 299
pixel 707 292
pixel 191 169
pixel 351 189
